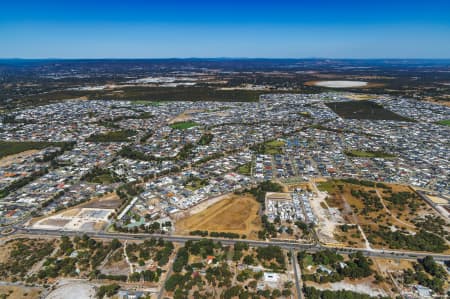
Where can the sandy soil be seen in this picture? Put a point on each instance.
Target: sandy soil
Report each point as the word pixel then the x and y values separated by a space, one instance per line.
pixel 201 206
pixel 358 286
pixel 116 268
pixel 8 160
pixel 393 265
pixel 73 290
pixel 327 225
pixel 185 116
pixel 237 214
pixel 70 213
pixel 4 252
pixel 361 97
pixel 438 200
pixel 20 292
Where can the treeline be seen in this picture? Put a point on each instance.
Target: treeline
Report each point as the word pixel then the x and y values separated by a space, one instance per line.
pixel 228 235
pixel 421 241
pixel 130 153
pixel 181 259
pixel 269 229
pixel 146 275
pixel 359 182
pixel 152 228
pixel 365 183
pixel 113 136
pixel 259 192
pixel 126 193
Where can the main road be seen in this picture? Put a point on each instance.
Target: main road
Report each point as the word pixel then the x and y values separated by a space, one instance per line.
pixel 286 244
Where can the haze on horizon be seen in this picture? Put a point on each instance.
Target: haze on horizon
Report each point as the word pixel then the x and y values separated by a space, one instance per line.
pixel 281 29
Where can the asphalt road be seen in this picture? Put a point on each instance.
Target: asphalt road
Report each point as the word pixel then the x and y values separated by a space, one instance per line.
pixel 284 244
pixel 297 274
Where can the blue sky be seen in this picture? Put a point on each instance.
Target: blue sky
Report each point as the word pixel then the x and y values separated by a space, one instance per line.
pixel 283 29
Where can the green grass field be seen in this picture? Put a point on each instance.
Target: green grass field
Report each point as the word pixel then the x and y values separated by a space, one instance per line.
pixel 270 147
pixel 195 183
pixel 245 169
pixel 183 125
pixel 444 122
pixel 274 147
pixel 14 147
pixel 327 186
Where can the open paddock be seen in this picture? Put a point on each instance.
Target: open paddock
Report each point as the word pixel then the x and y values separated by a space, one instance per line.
pixel 235 214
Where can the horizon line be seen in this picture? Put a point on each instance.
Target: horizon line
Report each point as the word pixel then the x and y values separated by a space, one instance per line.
pixel 225 58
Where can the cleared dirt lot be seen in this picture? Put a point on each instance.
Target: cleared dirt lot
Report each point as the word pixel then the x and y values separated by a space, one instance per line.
pixel 107 201
pixel 236 214
pixel 87 219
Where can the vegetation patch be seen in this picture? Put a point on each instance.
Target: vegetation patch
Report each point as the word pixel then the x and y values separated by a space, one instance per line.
pixel 368 154
pixel 421 241
pixel 427 273
pixel 270 147
pixel 391 216
pixel 327 266
pixel 183 125
pixel 14 147
pixel 113 136
pixel 206 139
pixel 23 256
pixel 245 169
pixel 364 110
pixel 101 176
pixel 193 183
pixel 444 122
